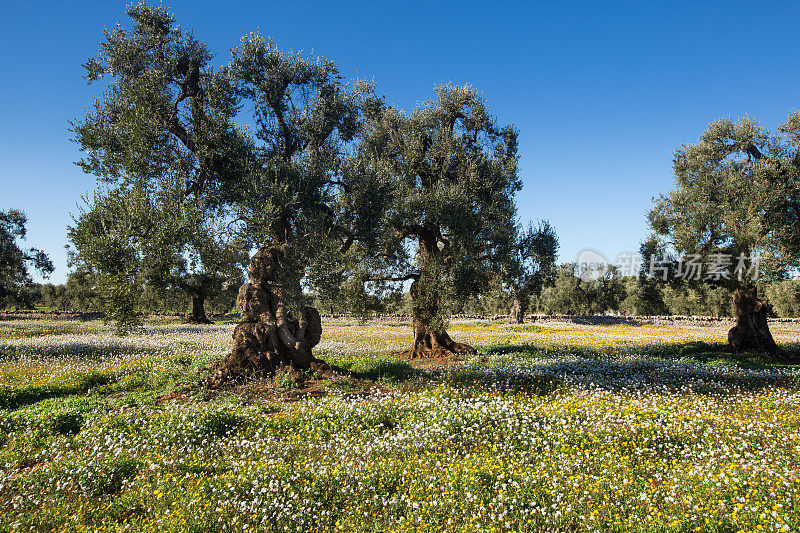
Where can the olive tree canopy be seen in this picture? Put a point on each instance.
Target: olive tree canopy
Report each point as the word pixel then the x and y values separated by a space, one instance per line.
pixel 736 204
pixel 167 126
pixel 16 261
pixel 162 140
pixel 530 265
pixel 448 176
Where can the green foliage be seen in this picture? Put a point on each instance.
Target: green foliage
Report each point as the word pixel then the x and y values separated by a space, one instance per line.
pixel 198 192
pixel 784 296
pixel 643 296
pixel 15 280
pixel 78 293
pixel 284 380
pixel 447 175
pixel 697 301
pixel 572 295
pixel 494 300
pixel 634 295
pixel 162 140
pixel 736 193
pixel 530 265
pixel 105 242
pixel 295 198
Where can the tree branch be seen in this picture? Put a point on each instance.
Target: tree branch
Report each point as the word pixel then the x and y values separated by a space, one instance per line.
pixel 190 88
pixel 452 121
pixel 339 183
pixel 349 237
pixel 753 152
pixel 407 277
pixel 288 141
pixel 412 229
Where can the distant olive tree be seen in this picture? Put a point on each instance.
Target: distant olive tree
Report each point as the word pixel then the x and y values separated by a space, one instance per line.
pixel 16 262
pixel 570 294
pixel 784 296
pixel 530 266
pixel 162 240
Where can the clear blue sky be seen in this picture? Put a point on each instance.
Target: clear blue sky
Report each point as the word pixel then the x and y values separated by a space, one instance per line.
pixel 602 92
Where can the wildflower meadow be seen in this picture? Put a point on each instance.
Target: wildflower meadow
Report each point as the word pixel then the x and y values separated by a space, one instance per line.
pixel 559 427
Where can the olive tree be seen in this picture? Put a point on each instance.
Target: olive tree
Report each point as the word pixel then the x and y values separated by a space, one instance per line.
pixel 574 293
pixel 530 265
pixel 276 179
pixel 735 208
pixel 291 202
pixel 157 237
pixel 15 261
pixel 162 141
pixel 448 176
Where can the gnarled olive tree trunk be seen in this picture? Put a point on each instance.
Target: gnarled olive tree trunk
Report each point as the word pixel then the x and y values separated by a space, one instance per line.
pixel 751 332
pixel 268 337
pixel 518 309
pixel 430 341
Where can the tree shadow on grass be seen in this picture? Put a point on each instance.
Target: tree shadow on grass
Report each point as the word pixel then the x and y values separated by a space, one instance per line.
pixel 598 320
pixel 380 370
pixel 13 398
pixel 82 379
pixel 697 367
pixel 700 352
pixel 87 351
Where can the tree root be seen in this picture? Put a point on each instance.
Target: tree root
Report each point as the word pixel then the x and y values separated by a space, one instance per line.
pixel 430 344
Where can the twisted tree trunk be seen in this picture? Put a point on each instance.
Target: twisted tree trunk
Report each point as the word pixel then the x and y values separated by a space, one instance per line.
pixel 268 337
pixel 751 332
pixel 517 314
pixel 430 342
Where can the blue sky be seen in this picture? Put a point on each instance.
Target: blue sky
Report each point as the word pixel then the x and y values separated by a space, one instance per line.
pixel 602 92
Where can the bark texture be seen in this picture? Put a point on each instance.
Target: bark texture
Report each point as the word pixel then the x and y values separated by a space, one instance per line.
pixel 198 315
pixel 428 341
pixel 517 314
pixel 268 337
pixel 751 332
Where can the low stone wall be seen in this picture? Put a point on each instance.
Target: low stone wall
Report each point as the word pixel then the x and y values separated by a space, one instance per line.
pixel 638 320
pixel 35 313
pixel 583 319
pixel 399 317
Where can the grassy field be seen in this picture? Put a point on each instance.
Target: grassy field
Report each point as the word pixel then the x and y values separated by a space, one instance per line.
pixel 549 428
